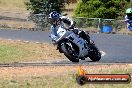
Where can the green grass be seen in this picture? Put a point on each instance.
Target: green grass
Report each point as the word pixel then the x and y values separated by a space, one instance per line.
pixel 11 53
pixel 61 81
pixel 18 51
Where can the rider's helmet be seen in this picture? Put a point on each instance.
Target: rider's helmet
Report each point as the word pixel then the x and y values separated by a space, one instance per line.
pixel 53 16
pixel 129 12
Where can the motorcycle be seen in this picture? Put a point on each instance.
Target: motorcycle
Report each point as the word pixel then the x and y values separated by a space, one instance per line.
pixel 74 47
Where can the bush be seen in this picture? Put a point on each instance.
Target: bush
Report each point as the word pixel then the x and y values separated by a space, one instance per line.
pixel 40 20
pixel 109 9
pixel 43 7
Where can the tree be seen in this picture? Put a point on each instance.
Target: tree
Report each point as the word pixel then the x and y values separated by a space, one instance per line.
pixel 110 9
pixel 45 6
pixel 41 8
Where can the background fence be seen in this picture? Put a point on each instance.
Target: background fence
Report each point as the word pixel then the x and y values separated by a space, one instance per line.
pixel 98 24
pixel 39 22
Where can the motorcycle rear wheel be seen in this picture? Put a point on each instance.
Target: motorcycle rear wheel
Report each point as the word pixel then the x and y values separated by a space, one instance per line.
pixel 94 53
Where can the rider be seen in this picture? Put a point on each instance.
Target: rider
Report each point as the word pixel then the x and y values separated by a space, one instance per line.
pixel 55 19
pixel 128 16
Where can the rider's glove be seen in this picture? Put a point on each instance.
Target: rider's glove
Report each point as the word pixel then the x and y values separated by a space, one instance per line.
pixel 73 25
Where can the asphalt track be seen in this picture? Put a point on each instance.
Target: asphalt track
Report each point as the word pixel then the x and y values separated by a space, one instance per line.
pixel 116 48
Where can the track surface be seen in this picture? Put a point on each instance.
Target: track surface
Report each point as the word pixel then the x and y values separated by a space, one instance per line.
pixel 117 47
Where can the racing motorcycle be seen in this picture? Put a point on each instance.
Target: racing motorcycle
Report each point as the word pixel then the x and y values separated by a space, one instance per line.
pixel 74 47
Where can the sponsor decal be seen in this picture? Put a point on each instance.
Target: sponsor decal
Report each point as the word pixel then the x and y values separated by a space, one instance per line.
pixel 84 78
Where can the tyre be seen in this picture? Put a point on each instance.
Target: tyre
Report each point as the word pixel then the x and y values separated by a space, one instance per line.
pixel 69 53
pixel 94 53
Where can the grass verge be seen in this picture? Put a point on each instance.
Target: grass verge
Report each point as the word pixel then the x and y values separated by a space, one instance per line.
pixel 12 25
pixel 11 53
pixel 57 77
pixel 17 51
pixel 12 4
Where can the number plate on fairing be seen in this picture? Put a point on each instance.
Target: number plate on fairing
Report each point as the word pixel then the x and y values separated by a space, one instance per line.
pixel 75 39
pixel 80 43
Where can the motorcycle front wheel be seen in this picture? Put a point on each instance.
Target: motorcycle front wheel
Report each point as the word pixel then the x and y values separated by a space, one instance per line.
pixel 69 53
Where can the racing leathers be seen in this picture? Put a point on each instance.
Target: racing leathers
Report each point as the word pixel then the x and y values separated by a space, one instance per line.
pixel 128 20
pixel 66 23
